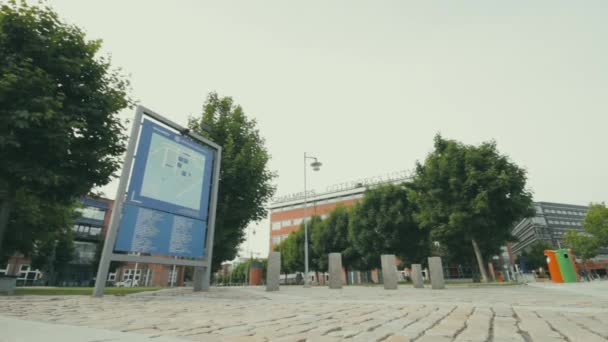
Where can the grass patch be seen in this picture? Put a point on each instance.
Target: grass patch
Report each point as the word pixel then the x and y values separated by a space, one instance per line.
pixel 79 291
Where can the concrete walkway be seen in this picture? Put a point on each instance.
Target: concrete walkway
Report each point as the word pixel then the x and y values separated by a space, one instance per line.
pixel 17 330
pixel 576 312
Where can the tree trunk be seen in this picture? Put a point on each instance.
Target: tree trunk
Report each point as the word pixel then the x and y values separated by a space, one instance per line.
pixel 5 212
pixel 482 270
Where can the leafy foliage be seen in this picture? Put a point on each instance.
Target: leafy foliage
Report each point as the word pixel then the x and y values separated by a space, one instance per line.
pixel 468 193
pixel 245 180
pixel 583 246
pixel 331 236
pixel 53 254
pixel 60 134
pixel 596 223
pixel 238 275
pixel 292 249
pixel 35 224
pixel 383 223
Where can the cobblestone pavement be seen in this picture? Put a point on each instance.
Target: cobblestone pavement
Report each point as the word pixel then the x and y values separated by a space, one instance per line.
pixel 355 313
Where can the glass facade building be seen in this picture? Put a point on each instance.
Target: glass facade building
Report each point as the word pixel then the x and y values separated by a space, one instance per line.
pixel 551 222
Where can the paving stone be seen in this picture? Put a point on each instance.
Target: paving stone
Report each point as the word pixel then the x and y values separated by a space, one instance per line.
pixel 590 323
pixel 477 326
pixel 355 313
pixel 396 338
pixel 535 327
pixel 568 328
pixel 505 329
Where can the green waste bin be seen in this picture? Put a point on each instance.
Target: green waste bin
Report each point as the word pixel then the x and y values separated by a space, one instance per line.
pixel 566 265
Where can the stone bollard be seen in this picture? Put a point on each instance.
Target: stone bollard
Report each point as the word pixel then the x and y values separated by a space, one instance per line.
pixel 273 272
pixel 416 275
pixel 8 284
pixel 335 270
pixel 436 270
pixel 389 271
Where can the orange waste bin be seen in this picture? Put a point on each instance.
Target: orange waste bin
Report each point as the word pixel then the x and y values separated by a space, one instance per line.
pixel 553 265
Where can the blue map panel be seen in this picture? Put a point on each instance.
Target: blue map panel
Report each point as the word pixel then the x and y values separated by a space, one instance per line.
pixel 156 232
pixel 171 173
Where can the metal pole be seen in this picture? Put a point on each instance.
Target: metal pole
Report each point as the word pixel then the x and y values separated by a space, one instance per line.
pixel 104 263
pixel 306 282
pixel 135 275
pixel 173 273
pixel 206 276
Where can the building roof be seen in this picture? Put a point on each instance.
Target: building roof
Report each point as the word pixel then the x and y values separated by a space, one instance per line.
pixel 339 190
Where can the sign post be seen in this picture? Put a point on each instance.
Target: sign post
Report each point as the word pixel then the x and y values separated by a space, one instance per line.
pixel 166 200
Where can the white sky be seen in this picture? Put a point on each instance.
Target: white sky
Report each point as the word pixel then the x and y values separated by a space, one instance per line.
pixel 365 85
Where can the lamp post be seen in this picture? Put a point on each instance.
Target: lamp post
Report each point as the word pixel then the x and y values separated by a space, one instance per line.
pixel 316 166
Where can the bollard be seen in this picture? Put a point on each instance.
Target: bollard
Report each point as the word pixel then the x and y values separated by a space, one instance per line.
pixel 273 272
pixel 436 270
pixel 389 271
pixel 416 276
pixel 335 270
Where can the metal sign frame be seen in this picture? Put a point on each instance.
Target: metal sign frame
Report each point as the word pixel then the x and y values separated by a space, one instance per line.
pixel 202 279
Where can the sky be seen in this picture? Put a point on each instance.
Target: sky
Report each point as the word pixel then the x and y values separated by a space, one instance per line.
pixel 366 85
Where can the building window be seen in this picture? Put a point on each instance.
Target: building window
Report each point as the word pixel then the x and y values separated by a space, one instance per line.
pixel 298 221
pixel 276 225
pixel 324 216
pixel 286 223
pixel 92 213
pixel 27 275
pixel 85 251
pixel 85 229
pixel 131 274
pixel 172 276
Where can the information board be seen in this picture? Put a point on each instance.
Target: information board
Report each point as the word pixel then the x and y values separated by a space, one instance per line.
pixel 168 196
pixel 166 200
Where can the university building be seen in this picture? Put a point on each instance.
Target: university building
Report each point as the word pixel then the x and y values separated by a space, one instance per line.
pixel 287 212
pixel 550 224
pixel 89 232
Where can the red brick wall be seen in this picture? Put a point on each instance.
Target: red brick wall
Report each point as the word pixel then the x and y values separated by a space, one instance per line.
pixel 312 210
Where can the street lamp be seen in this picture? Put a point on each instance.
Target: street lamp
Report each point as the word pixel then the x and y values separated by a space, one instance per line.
pixel 316 166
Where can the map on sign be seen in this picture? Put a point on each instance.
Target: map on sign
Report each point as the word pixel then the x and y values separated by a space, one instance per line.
pixel 173 172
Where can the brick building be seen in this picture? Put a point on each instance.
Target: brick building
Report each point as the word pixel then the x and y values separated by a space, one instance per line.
pixel 287 213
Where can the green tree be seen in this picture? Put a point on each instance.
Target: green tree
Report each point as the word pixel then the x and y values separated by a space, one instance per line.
pixel 331 236
pixel 383 223
pixel 596 223
pixel 245 180
pixel 53 254
pixel 470 194
pixel 240 272
pixel 60 134
pixel 583 245
pixel 292 252
pixel 292 249
pixel 534 256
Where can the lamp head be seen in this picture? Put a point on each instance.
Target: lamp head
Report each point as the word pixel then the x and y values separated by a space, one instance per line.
pixel 316 165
